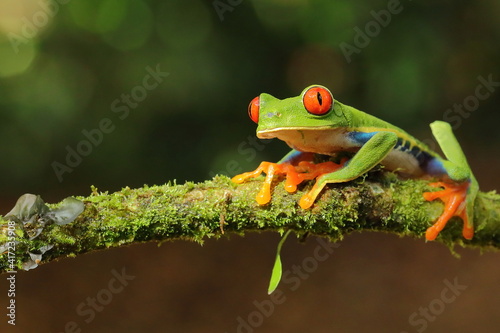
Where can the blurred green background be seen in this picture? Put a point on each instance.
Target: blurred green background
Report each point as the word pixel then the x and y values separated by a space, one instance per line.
pixel 70 67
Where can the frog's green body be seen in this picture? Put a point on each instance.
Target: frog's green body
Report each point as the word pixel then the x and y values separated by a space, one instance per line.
pixel 348 132
pixel 314 122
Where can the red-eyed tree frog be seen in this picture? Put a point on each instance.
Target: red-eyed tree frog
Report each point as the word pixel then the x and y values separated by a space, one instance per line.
pixel 315 123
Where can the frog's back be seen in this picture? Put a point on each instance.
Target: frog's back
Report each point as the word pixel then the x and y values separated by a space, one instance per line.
pixel 409 154
pixel 364 122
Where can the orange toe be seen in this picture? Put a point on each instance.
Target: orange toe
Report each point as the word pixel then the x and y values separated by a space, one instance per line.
pixel 454 197
pixel 294 175
pixel 306 201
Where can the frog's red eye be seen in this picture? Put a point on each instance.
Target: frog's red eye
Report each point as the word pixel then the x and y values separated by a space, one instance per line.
pixel 253 109
pixel 317 100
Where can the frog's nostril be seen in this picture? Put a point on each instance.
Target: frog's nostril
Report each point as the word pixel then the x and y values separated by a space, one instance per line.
pixel 273 114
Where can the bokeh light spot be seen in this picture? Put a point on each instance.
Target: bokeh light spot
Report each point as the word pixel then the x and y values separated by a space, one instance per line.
pixel 13 63
pixel 83 13
pixel 110 16
pixel 134 28
pixel 184 25
pixel 124 24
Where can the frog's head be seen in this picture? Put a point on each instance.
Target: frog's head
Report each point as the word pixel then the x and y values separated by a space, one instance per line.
pixel 303 118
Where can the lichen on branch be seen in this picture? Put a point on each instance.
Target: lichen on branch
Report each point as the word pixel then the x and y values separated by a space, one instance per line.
pixel 381 201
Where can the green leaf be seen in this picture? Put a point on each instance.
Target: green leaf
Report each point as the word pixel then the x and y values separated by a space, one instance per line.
pixel 277 269
pixel 67 212
pixel 27 206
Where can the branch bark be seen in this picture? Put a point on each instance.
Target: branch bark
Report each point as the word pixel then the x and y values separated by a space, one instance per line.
pixel 381 201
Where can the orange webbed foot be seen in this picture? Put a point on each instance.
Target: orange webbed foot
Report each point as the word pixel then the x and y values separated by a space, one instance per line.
pixel 454 197
pixel 271 169
pixel 294 175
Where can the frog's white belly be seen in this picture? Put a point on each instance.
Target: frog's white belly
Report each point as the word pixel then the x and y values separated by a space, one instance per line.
pixel 402 162
pixel 328 141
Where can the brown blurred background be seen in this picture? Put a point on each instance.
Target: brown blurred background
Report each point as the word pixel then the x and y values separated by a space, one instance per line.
pixel 67 65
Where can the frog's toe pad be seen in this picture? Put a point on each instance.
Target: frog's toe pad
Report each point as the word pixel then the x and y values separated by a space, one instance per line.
pixel 293 178
pixel 294 175
pixel 454 197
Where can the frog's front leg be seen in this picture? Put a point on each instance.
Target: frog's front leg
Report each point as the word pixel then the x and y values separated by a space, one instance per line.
pixel 369 155
pixel 270 169
pixel 296 166
pixel 459 195
pixel 284 166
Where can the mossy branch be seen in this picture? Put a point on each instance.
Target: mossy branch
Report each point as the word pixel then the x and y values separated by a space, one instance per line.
pixel 381 202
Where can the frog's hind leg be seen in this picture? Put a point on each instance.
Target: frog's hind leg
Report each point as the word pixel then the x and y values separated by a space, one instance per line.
pixel 458 196
pixel 369 155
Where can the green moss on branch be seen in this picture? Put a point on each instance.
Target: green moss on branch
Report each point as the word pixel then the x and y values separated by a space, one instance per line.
pixel 195 212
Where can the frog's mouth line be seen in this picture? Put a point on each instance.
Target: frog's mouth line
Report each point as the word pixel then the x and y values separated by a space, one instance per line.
pixel 287 131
